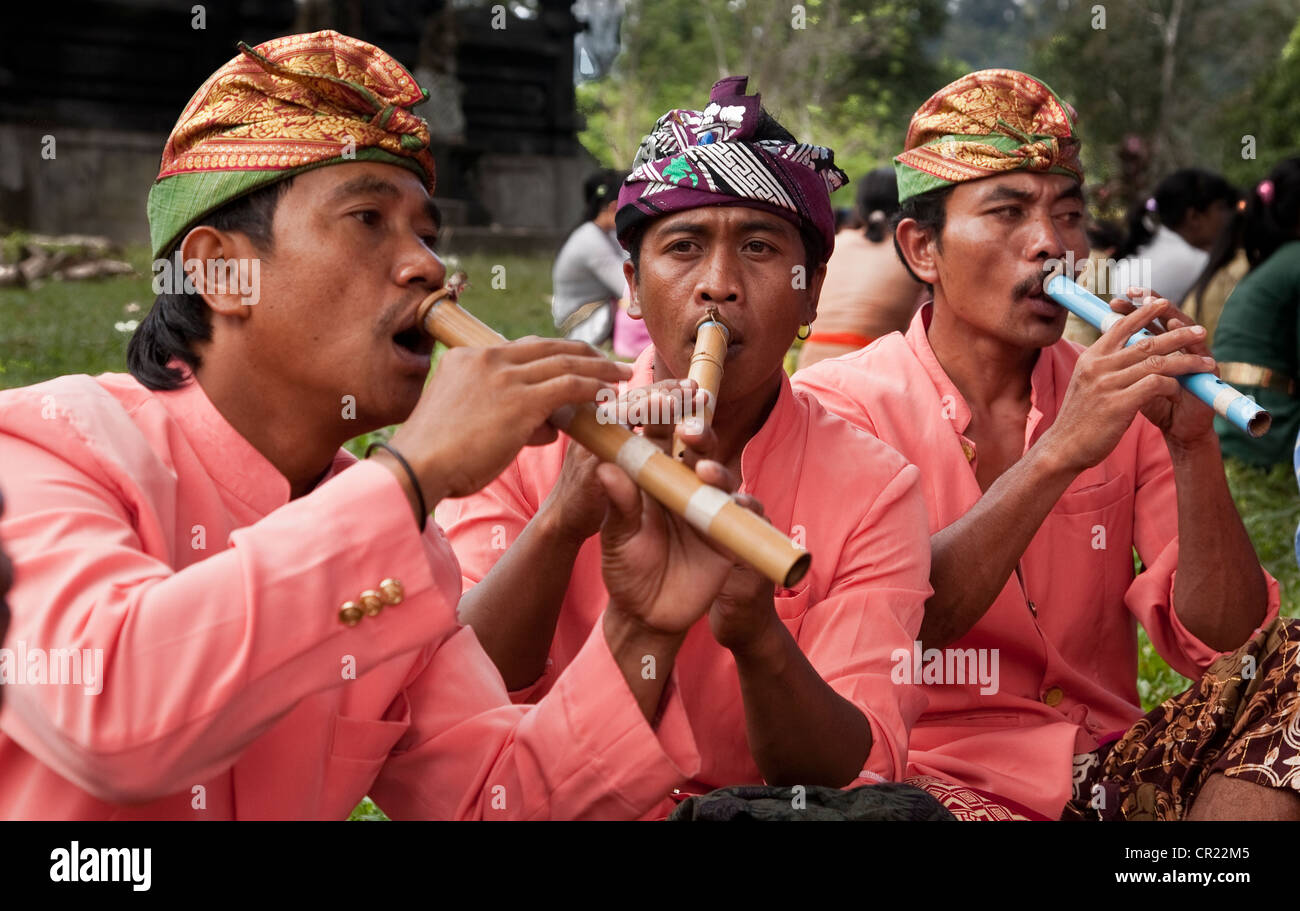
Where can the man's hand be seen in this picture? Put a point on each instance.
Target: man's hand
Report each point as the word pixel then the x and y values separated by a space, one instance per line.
pixel 1185 421
pixel 743 616
pixel 657 568
pixel 575 507
pixel 485 404
pixel 1112 383
pixel 662 577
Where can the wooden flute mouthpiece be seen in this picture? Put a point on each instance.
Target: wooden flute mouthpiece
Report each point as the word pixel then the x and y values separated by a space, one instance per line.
pixel 711 340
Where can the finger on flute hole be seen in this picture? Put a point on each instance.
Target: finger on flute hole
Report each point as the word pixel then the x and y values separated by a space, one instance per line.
pixel 715 474
pixel 659 418
pixel 698 437
pixel 543 436
pixel 623 493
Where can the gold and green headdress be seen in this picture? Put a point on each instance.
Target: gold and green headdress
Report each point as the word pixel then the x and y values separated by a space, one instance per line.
pixel 986 123
pixel 278 109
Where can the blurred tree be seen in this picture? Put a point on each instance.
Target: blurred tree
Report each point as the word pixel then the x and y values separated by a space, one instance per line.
pixel 1167 71
pixel 843 73
pixel 990 33
pixel 1159 84
pixel 1269 112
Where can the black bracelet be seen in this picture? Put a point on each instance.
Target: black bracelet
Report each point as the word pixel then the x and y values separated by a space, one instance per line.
pixel 415 482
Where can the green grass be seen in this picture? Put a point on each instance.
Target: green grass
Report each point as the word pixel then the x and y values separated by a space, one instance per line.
pixel 68 327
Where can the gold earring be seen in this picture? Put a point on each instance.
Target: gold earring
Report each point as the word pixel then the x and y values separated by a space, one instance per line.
pixel 804 331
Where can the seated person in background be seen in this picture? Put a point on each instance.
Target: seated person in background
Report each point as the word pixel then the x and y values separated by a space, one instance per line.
pixel 277 622
pixel 587 278
pixel 1227 265
pixel 1258 340
pixel 791 686
pixel 868 292
pixel 1171 234
pixel 1043 467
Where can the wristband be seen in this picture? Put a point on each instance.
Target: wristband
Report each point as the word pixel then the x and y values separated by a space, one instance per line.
pixel 410 472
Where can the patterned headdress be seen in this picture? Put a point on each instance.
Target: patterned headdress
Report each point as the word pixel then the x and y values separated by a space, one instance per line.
pixel 709 158
pixel 280 108
pixel 986 123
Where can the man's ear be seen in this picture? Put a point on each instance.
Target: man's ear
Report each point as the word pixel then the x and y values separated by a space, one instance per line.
pixel 216 264
pixel 814 294
pixel 634 303
pixel 918 247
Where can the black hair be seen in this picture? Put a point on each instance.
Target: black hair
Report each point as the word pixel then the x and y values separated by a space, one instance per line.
pixel 877 202
pixel 177 320
pixel 1104 234
pixel 1188 188
pixel 1268 224
pixel 768 127
pixel 1222 252
pixel 599 190
pixel 930 212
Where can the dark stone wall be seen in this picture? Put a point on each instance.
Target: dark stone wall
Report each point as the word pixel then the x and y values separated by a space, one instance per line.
pixel 124 65
pixel 108 79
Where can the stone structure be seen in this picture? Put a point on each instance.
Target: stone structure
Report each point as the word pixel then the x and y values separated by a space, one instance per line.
pixel 82 121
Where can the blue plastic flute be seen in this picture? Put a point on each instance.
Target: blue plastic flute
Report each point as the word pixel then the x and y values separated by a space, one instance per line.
pixel 1239 409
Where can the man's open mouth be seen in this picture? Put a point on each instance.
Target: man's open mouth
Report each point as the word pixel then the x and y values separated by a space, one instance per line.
pixel 415 341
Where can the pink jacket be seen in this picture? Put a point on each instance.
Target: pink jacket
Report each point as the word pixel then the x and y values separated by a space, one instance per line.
pixel 143 525
pixel 850 500
pixel 1068 667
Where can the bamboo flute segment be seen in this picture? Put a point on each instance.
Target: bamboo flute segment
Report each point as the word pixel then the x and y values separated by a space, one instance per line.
pixel 711 340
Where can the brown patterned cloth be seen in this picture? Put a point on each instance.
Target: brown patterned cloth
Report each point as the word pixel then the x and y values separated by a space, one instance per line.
pixel 1241 718
pixel 971 804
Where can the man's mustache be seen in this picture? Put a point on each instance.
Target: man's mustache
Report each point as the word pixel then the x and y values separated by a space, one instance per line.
pixel 1031 285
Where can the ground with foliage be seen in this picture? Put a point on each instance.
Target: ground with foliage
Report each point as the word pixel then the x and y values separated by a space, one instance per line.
pixel 83 327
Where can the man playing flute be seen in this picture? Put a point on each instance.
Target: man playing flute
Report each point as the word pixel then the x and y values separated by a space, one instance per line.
pixel 1044 465
pixel 725 212
pixel 275 624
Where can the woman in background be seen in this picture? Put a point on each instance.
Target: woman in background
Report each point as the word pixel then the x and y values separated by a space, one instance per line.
pixel 1171 235
pixel 867 292
pixel 1257 343
pixel 590 292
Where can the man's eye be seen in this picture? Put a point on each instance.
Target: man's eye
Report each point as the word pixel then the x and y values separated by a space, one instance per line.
pixel 1007 212
pixel 430 241
pixel 758 246
pixel 367 217
pixel 1071 218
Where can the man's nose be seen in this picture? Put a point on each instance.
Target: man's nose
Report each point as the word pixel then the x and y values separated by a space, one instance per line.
pixel 719 280
pixel 1045 240
pixel 418 265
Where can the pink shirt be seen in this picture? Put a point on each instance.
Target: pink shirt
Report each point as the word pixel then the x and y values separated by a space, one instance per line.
pixel 1068 666
pixel 142 524
pixel 853 502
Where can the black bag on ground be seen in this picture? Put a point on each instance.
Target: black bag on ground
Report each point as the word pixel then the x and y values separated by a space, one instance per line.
pixel 884 802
